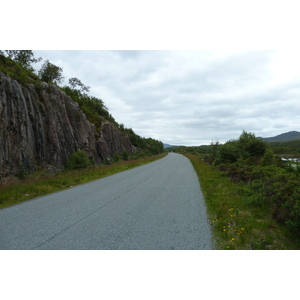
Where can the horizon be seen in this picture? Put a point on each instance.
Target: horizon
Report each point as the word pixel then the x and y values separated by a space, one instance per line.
pixel 181 145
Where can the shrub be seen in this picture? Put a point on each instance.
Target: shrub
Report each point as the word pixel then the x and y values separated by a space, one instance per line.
pixel 268 184
pixel 125 155
pixel 247 147
pixel 251 146
pixel 78 160
pixel 116 157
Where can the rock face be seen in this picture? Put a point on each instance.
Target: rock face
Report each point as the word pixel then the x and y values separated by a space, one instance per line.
pixel 42 126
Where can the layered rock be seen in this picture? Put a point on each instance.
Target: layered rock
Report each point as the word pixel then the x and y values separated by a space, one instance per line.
pixel 41 126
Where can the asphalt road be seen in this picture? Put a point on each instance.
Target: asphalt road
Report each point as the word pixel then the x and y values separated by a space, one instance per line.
pixel 153 207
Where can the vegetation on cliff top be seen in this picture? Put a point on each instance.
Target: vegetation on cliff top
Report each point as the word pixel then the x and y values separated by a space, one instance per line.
pixel 18 65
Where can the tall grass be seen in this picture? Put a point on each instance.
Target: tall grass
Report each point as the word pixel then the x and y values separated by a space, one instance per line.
pixel 39 184
pixel 235 224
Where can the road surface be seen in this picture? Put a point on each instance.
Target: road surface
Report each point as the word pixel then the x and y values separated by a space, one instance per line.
pixel 153 207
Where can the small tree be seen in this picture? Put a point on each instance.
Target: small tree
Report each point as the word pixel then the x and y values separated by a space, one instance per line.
pixel 78 160
pixel 50 73
pixel 74 82
pixel 23 57
pixel 247 146
pixel 251 146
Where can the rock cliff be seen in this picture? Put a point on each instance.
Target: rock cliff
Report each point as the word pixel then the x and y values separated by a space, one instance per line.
pixel 42 126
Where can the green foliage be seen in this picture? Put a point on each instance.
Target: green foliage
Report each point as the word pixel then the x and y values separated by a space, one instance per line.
pixel 125 155
pixel 246 147
pixel 288 147
pixel 149 145
pixel 116 157
pixel 269 158
pixel 279 190
pixel 94 108
pixel 74 82
pixel 23 57
pixel 242 220
pixel 50 73
pixel 78 160
pixel 267 183
pixel 16 71
pixel 22 173
pixel 251 146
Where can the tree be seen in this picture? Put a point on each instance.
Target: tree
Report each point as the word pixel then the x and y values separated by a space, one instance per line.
pixel 247 146
pixel 74 82
pixel 251 145
pixel 23 57
pixel 50 73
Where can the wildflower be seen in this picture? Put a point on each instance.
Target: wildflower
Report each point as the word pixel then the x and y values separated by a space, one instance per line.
pixel 232 239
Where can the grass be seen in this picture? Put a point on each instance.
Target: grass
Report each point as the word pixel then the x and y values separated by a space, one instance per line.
pixel 38 184
pixel 234 223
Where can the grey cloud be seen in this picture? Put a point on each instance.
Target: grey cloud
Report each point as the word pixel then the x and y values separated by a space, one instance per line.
pixel 187 97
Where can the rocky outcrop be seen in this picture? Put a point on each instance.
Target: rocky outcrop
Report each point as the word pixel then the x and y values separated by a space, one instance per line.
pixel 42 126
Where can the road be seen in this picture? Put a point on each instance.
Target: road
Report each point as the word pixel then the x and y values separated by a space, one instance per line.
pixel 158 206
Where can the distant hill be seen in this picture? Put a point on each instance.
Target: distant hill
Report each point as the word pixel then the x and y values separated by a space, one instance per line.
pixel 167 146
pixel 288 136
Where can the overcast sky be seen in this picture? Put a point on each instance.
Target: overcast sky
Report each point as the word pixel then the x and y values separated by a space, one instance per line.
pixel 179 97
pixel 191 97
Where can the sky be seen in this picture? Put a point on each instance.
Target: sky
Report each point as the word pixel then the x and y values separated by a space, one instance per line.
pixel 192 97
pixel 151 63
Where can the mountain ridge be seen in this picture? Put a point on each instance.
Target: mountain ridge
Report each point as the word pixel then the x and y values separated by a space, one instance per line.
pixel 283 137
pixel 168 146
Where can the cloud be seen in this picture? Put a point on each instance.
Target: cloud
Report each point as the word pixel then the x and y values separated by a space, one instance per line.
pixel 191 97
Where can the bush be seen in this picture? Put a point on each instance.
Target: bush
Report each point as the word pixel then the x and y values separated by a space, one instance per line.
pixel 116 157
pixel 78 160
pixel 268 185
pixel 125 155
pixel 277 189
pixel 247 147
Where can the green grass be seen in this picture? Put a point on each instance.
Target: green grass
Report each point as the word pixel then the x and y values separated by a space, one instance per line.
pixel 234 223
pixel 39 184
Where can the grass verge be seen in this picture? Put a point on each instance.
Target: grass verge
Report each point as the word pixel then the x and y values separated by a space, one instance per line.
pixel 234 223
pixel 39 184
